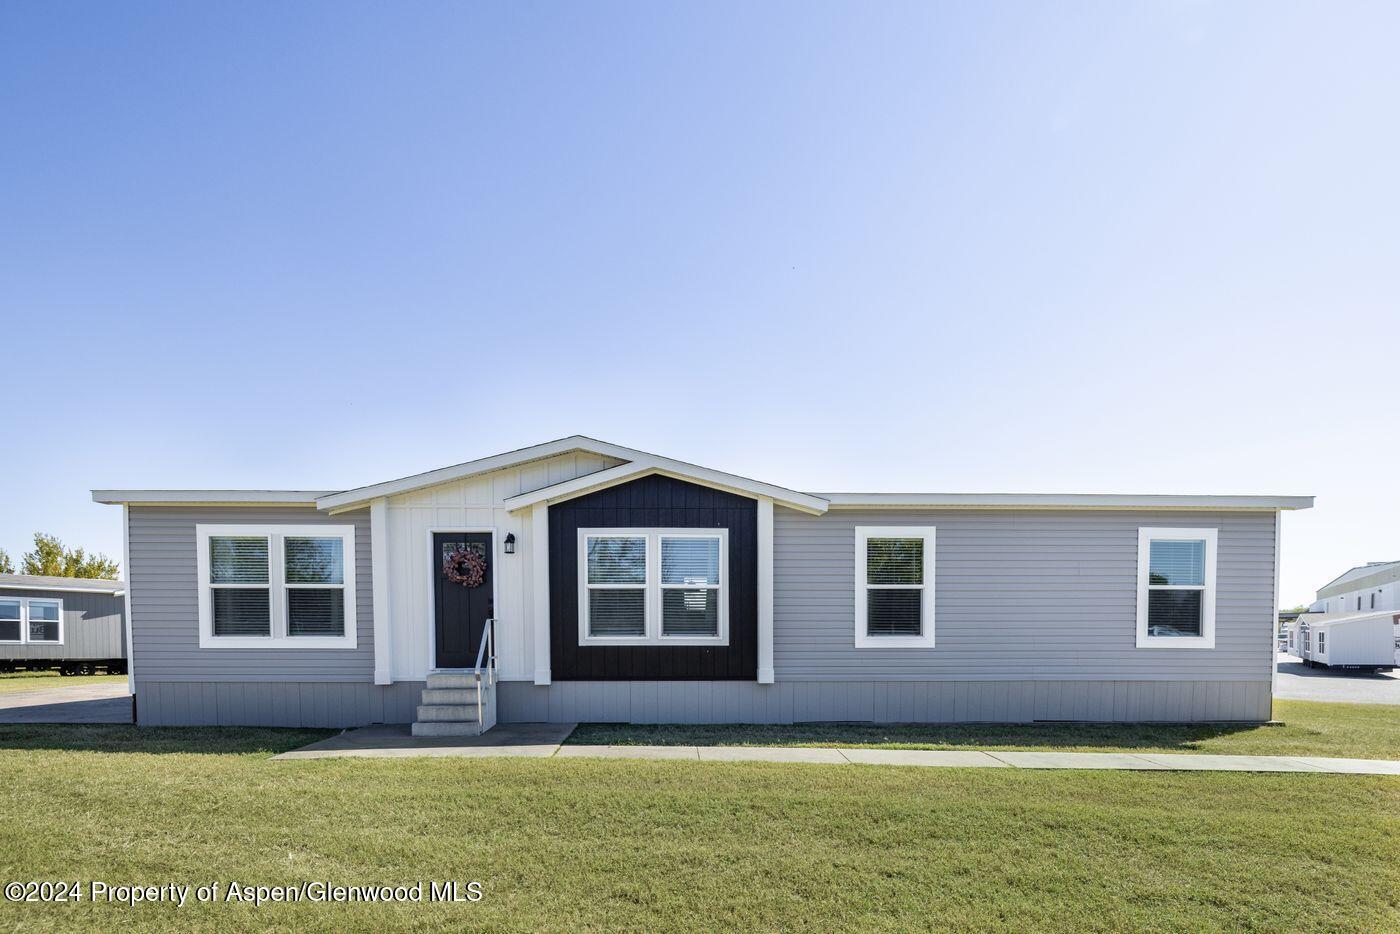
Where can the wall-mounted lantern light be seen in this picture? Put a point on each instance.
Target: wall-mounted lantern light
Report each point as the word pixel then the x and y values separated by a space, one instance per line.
pixel 510 543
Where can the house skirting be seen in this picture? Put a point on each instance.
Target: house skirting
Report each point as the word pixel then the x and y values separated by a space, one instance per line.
pixel 337 704
pixel 334 704
pixel 884 701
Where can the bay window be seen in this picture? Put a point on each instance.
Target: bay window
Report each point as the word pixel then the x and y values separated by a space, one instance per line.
pixel 1176 588
pixel 653 586
pixel 276 586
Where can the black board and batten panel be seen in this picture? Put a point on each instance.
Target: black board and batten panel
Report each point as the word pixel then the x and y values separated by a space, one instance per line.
pixel 648 503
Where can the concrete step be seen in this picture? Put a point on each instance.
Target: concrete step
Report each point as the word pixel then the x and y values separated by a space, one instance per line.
pixel 449 696
pixel 446 728
pixel 450 680
pixel 457 713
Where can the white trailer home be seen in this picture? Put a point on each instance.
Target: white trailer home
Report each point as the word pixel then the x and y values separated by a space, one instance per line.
pixel 1351 641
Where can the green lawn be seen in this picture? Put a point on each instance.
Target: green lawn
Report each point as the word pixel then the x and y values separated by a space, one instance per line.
pixel 39 680
pixel 566 843
pixel 1366 731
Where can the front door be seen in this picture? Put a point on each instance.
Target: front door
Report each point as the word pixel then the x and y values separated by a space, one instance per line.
pixel 463 589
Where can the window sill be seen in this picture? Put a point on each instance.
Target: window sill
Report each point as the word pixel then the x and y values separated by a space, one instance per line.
pixel 721 642
pixel 894 642
pixel 1176 642
pixel 267 642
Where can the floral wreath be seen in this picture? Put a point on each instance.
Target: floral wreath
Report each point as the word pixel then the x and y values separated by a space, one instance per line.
pixel 465 566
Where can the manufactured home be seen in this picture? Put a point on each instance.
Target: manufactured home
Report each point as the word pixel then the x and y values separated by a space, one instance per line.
pixel 1363 641
pixel 584 581
pixel 74 625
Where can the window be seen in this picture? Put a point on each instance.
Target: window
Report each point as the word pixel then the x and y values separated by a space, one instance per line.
pixel 1358 603
pixel 1176 588
pixel 653 586
pixel 11 620
pixel 276 586
pixel 45 620
pixel 1373 601
pixel 894 586
pixel 31 620
pixel 1322 643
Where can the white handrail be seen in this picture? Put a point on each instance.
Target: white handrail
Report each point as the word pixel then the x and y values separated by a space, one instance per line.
pixel 487 654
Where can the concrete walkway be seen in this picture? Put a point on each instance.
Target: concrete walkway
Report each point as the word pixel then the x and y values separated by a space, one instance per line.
pixel 977 759
pixel 543 740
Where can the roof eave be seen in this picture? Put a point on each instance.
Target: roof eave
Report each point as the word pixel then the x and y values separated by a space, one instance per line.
pixel 1062 501
pixel 207 497
pixel 730 483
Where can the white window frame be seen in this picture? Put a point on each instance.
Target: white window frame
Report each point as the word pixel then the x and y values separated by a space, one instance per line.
pixel 864 533
pixel 24 621
pixel 277 587
pixel 653 587
pixel 1206 640
pixel 1321 642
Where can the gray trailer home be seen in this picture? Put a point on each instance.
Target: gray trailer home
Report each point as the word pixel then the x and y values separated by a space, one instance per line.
pixel 579 580
pixel 77 626
pixel 1352 641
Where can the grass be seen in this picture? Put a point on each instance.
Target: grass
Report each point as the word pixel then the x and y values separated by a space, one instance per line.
pixel 569 843
pixel 11 681
pixel 1365 731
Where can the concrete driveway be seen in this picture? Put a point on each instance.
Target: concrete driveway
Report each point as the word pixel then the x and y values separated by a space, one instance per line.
pixel 88 703
pixel 1298 682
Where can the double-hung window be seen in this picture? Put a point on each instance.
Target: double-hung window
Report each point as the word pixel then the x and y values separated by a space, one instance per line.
pixel 653 586
pixel 276 586
pixel 31 620
pixel 1176 588
pixel 894 586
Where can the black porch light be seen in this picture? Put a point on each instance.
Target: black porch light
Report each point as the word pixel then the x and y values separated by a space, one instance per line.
pixel 510 543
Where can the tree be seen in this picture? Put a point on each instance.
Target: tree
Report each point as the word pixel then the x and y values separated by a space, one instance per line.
pixel 51 559
pixel 6 565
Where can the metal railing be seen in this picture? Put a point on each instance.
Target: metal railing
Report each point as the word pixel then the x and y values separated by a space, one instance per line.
pixel 485 671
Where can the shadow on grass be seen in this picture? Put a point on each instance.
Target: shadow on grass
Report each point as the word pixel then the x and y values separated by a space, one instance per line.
pixel 1184 737
pixel 207 740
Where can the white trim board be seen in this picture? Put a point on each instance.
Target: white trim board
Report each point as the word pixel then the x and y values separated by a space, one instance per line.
pixel 1061 501
pixel 99 593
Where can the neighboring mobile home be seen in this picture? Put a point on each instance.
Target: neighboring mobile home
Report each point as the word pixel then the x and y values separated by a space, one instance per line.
pixel 624 586
pixel 1345 640
pixel 76 625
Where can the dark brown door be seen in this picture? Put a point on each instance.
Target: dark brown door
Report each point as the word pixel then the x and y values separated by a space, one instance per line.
pixel 461 610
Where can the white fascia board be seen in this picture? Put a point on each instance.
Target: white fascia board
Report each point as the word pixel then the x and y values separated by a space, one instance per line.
pixel 339 500
pixel 650 464
pixel 208 497
pixel 1060 501
pixel 116 592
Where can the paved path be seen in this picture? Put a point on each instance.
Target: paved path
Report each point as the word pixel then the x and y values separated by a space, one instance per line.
pixel 542 740
pixel 84 703
pixel 1296 681
pixel 394 741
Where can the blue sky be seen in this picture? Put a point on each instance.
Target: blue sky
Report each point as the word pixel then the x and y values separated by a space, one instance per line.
pixel 945 247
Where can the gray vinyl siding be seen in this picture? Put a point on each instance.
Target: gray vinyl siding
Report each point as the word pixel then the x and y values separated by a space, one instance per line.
pixel 92 627
pixel 1020 596
pixel 883 701
pixel 162 581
